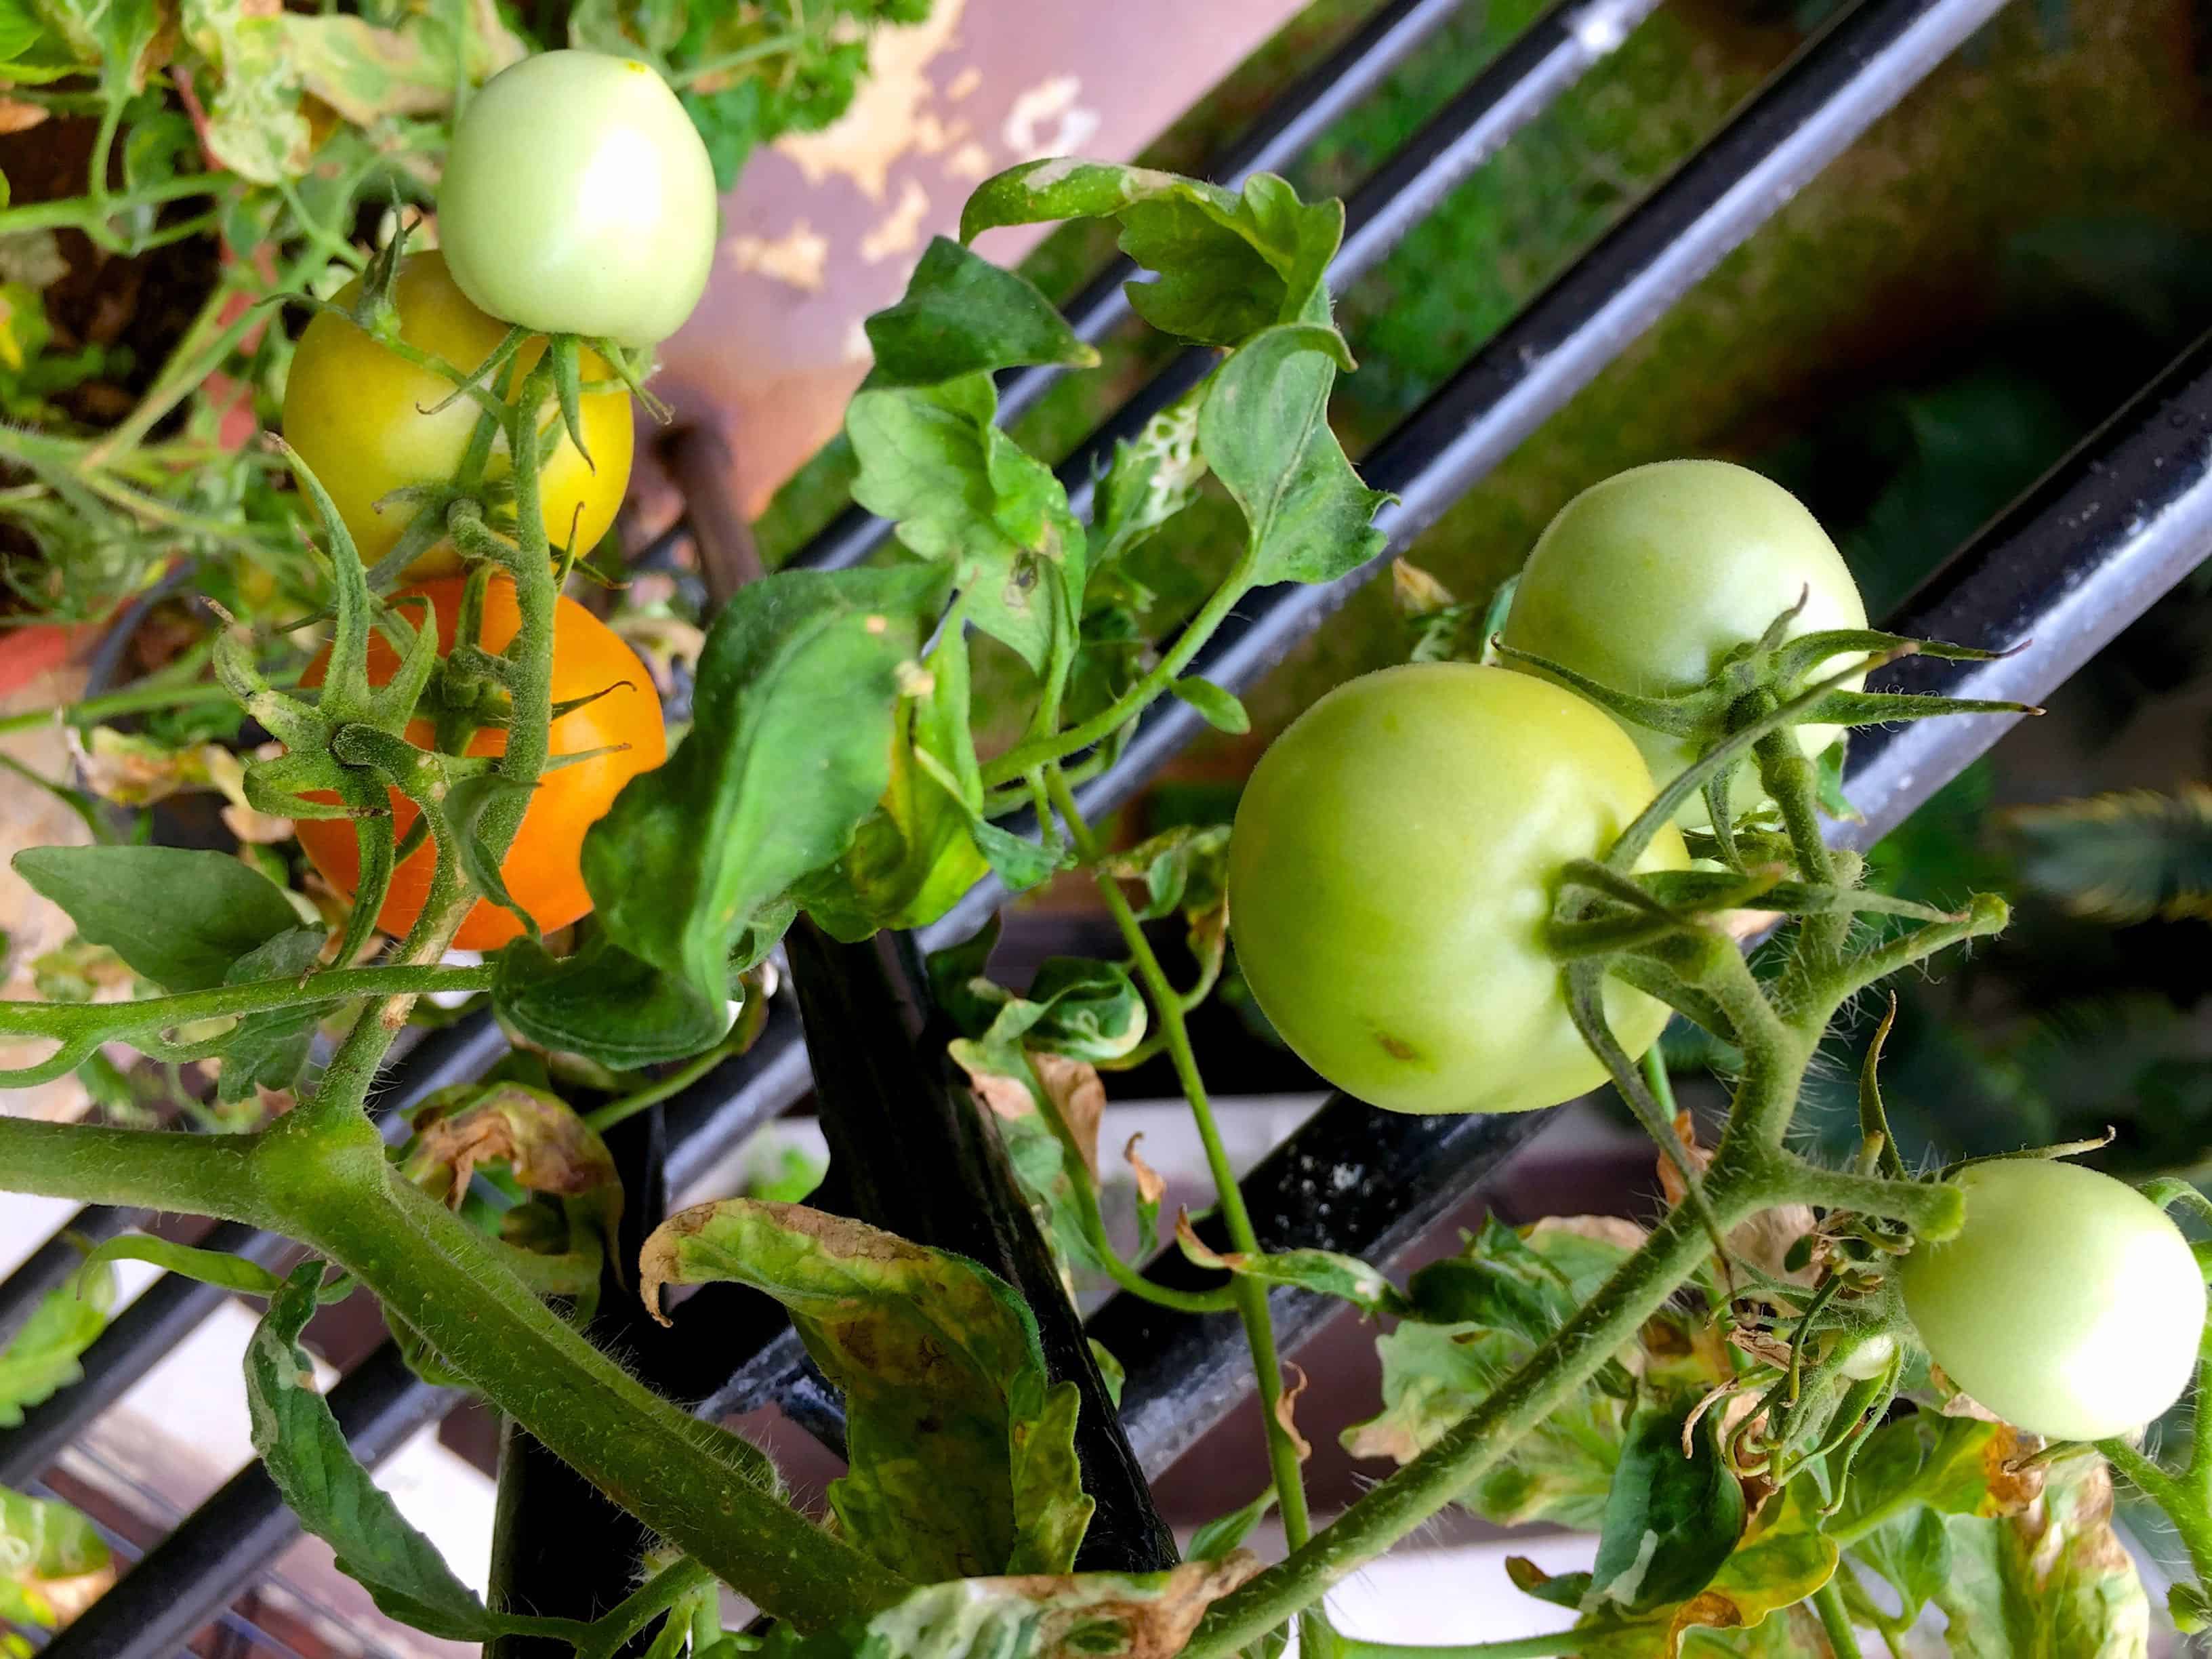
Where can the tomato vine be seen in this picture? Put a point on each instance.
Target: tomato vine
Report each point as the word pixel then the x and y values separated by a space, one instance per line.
pixel 831 768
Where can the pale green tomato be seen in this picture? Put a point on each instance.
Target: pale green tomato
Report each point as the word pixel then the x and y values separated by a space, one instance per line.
pixel 579 200
pixel 1394 864
pixel 1644 582
pixel 2067 1302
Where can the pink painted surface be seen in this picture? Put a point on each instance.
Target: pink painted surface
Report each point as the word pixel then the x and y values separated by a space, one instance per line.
pixel 823 228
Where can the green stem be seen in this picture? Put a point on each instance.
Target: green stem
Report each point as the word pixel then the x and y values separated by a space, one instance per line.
pixel 137 1168
pixel 1836 1620
pixel 712 1493
pixel 612 1631
pixel 1517 1647
pixel 620 1111
pixel 1251 1295
pixel 1403 1503
pixel 83 212
pixel 1026 757
pixel 2183 1507
pixel 80 1027
pixel 94 711
pixel 1933 1209
pixel 1824 992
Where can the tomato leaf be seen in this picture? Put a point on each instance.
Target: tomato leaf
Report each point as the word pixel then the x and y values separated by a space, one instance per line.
pixel 232 1272
pixel 1154 476
pixel 1671 1521
pixel 1080 1616
pixel 1912 1474
pixel 270 1050
pixel 1229 264
pixel 604 1004
pixel 965 494
pixel 179 918
pixel 1324 1272
pixel 1509 1293
pixel 788 753
pixel 1216 1539
pixel 1219 709
pixel 1264 426
pixel 43 1544
pixel 306 1455
pixel 2053 1579
pixel 962 314
pixel 962 1452
pixel 40 1360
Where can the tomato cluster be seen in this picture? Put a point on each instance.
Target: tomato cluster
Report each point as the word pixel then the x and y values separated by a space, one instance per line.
pixel 578 200
pixel 1396 854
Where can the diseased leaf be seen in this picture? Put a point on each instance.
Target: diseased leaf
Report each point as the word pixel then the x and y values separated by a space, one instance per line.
pixel 1671 1521
pixel 1154 476
pixel 1325 1272
pixel 1508 1294
pixel 604 1004
pixel 1229 264
pixel 53 1562
pixel 1776 1568
pixel 1092 1615
pixel 961 1450
pixel 961 314
pixel 1264 428
pixel 178 917
pixel 2048 1582
pixel 788 752
pixel 41 1358
pixel 305 1454
pixel 368 74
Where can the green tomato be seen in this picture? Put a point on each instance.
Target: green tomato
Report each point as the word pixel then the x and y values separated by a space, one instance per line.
pixel 1391 872
pixel 2067 1302
pixel 579 200
pixel 1644 582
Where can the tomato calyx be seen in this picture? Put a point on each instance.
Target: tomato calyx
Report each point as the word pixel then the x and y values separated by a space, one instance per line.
pixel 1762 675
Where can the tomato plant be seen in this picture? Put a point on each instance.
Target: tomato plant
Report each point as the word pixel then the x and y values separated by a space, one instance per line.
pixel 1396 861
pixel 368 422
pixel 579 200
pixel 2068 1303
pixel 616 726
pixel 1453 887
pixel 1645 581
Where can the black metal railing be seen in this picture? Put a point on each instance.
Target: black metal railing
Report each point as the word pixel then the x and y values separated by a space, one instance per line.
pixel 2113 526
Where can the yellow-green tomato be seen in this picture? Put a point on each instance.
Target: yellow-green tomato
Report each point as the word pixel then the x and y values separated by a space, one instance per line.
pixel 360 417
pixel 1644 582
pixel 2067 1302
pixel 1394 865
pixel 578 199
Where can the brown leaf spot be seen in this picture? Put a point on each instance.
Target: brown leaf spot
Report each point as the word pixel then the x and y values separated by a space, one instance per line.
pixel 1080 1098
pixel 1156 1626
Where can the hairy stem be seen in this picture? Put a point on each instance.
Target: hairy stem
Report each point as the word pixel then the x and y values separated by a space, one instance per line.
pixel 1518 1647
pixel 1836 1621
pixel 709 1492
pixel 1558 1370
pixel 138 1168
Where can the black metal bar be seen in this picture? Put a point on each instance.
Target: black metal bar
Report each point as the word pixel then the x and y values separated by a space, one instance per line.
pixel 206 1563
pixel 909 1152
pixel 173 1306
pixel 559 1547
pixel 2054 579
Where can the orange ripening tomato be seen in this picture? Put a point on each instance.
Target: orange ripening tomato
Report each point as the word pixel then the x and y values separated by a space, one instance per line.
pixel 543 868
pixel 361 417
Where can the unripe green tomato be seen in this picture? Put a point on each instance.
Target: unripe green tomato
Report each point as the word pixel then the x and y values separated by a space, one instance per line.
pixel 1644 582
pixel 579 200
pixel 1869 1359
pixel 363 418
pixel 1393 867
pixel 2067 1302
